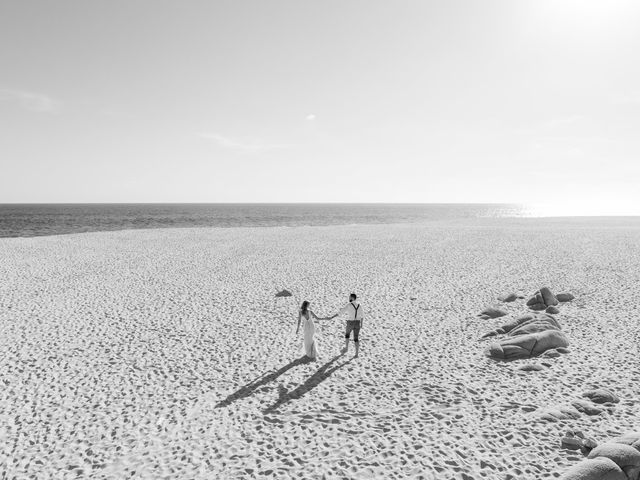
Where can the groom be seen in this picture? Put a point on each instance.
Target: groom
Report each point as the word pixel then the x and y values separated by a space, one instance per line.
pixel 355 315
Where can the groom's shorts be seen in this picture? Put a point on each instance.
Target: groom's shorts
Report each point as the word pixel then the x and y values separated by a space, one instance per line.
pixel 355 326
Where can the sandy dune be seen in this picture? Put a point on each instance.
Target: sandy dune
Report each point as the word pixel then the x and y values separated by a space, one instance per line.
pixel 165 354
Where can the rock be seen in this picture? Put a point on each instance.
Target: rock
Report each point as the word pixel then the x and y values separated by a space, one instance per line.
pixel 571 442
pixel 531 367
pixel 553 353
pixel 536 299
pixel 595 469
pixel 623 455
pixel 538 307
pixel 601 395
pixel 562 350
pixel 552 309
pixel 565 297
pixel 549 299
pixel 563 412
pixel 493 312
pixel 586 407
pixel 588 444
pixel 529 323
pixel 509 297
pixel 525 346
pixel 283 293
pixel 538 323
pixel 632 473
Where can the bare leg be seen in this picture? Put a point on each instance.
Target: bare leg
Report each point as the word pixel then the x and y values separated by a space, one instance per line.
pixel 346 345
pixel 357 348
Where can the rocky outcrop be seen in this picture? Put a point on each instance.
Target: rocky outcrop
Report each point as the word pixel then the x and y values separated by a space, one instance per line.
pixel 542 299
pixel 524 324
pixel 527 346
pixel 618 459
pixel 598 469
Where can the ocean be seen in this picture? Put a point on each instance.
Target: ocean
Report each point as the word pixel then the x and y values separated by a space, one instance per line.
pixel 28 220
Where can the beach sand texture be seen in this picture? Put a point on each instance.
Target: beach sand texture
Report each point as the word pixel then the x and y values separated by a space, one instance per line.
pixel 165 354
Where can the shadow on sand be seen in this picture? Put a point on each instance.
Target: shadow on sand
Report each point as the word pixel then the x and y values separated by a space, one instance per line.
pixel 248 389
pixel 324 372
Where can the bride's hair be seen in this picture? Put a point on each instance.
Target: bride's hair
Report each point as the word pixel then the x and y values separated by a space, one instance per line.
pixel 304 307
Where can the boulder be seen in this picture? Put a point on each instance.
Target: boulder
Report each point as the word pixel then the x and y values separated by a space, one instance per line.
pixel 623 455
pixel 571 442
pixel 601 395
pixel 549 299
pixel 633 473
pixel 552 309
pixel 595 469
pixel 565 297
pixel 588 444
pixel 492 312
pixel 529 345
pixel 283 293
pixel 538 307
pixel 536 299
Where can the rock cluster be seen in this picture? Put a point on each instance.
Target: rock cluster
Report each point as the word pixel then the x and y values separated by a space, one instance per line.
pixel 577 441
pixel 544 299
pixel 528 336
pixel 599 400
pixel 618 459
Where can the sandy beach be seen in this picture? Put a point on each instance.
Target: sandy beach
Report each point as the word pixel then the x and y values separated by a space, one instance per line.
pixel 165 353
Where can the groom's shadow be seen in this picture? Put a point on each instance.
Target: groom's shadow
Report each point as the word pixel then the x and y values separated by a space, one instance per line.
pixel 248 389
pixel 324 372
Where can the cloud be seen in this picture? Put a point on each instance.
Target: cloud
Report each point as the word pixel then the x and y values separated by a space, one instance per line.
pixel 35 102
pixel 241 146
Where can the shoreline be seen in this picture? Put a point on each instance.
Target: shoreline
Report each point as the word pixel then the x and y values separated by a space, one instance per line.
pixel 588 221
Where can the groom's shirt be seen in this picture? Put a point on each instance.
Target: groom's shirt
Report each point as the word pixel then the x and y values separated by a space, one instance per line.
pixel 353 310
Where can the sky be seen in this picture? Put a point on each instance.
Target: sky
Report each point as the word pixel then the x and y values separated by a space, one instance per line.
pixel 322 101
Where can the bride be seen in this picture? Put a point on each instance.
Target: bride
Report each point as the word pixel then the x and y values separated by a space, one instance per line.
pixel 309 329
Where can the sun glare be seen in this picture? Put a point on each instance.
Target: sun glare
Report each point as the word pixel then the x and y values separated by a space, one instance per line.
pixel 580 209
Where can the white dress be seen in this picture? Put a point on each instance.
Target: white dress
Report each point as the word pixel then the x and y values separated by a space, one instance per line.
pixel 310 345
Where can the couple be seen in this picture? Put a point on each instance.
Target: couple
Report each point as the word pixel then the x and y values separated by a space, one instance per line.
pixel 354 313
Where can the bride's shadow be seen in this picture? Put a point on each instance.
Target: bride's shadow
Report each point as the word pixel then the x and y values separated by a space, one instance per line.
pixel 248 389
pixel 324 372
